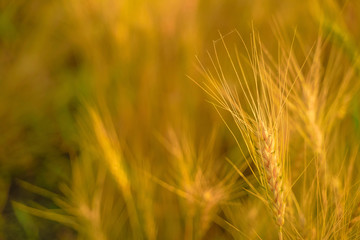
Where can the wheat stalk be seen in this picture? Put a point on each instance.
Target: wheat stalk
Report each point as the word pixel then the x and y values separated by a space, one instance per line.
pixel 259 118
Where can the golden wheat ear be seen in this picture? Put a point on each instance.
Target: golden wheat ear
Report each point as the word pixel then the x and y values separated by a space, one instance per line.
pixel 270 159
pixel 258 111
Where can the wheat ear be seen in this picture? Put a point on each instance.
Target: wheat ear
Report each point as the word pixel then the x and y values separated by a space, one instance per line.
pixel 268 153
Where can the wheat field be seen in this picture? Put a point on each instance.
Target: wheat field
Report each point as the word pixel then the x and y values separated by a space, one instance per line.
pixel 193 119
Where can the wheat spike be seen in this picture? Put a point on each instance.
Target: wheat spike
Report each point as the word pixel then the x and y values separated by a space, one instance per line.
pixel 272 167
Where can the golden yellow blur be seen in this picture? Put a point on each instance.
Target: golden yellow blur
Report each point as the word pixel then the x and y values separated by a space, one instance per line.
pixel 138 119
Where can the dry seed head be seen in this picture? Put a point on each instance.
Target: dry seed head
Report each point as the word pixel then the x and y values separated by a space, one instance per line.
pixel 311 111
pixel 112 155
pixel 272 167
pixel 310 100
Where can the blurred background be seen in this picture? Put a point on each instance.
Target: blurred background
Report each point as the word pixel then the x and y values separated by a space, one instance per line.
pixel 131 61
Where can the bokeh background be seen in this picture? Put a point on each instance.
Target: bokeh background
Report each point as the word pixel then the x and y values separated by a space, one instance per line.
pixel 131 60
